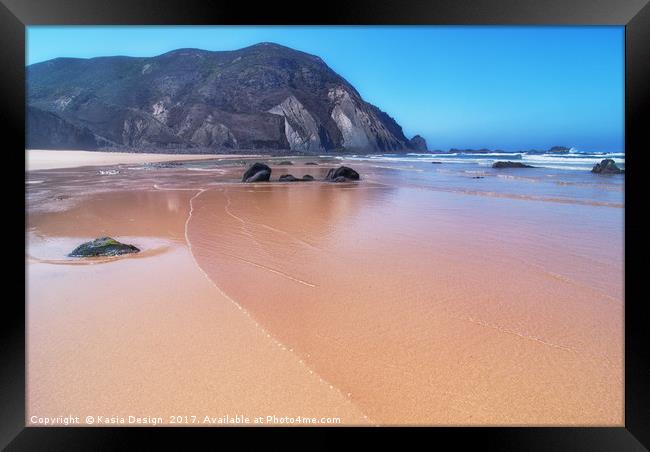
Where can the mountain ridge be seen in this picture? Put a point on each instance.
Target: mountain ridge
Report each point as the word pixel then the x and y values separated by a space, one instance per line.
pixel 262 97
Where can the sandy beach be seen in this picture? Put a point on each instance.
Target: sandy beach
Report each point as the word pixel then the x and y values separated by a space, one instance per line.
pixel 37 159
pixel 415 296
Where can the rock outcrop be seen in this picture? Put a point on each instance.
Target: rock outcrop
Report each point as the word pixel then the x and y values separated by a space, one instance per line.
pixel 300 128
pixel 509 164
pixel 341 174
pixel 288 178
pixel 418 144
pixel 606 166
pixel 258 172
pixel 292 178
pixel 552 150
pixel 265 96
pixel 104 246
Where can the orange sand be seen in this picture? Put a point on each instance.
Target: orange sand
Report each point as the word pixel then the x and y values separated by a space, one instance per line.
pixel 150 335
pixel 374 302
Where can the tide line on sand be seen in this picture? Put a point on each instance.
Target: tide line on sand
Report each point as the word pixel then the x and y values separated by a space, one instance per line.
pixel 345 396
pixel 272 270
pixel 265 226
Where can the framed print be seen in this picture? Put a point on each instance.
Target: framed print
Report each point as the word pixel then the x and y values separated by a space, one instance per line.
pixel 386 215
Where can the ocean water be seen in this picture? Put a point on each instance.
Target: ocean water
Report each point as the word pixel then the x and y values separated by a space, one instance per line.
pixel 571 161
pixel 563 178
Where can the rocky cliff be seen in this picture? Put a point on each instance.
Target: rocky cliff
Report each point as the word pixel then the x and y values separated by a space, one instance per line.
pixel 263 97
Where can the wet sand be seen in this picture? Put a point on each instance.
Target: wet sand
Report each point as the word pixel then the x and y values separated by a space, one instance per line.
pixel 150 335
pixel 381 301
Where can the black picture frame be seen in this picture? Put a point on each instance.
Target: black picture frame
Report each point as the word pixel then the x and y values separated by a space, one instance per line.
pixel 15 15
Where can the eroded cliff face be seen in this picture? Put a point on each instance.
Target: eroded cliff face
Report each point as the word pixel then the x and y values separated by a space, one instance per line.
pixel 265 97
pixel 359 129
pixel 300 127
pixel 360 126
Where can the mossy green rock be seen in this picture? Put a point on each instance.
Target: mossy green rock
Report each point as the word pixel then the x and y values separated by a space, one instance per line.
pixel 104 246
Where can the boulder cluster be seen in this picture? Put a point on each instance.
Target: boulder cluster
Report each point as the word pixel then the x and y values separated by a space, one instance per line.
pixel 259 172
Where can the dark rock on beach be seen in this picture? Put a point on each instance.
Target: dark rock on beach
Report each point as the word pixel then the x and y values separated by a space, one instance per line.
pixel 607 166
pixel 437 163
pixel 292 178
pixel 510 165
pixel 339 179
pixel 259 172
pixel 342 171
pixel 285 162
pixel 104 246
pixel 311 163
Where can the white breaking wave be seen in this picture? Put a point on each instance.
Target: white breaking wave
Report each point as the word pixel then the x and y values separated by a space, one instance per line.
pixel 555 159
pixel 573 161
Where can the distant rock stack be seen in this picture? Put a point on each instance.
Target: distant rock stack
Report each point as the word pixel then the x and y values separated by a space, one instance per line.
pixel 418 144
pixel 559 150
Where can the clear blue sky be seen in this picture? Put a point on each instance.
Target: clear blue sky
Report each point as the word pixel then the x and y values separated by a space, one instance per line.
pixel 458 86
